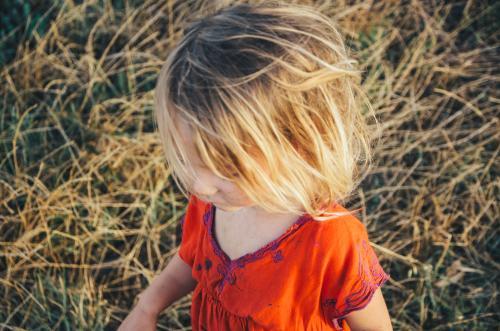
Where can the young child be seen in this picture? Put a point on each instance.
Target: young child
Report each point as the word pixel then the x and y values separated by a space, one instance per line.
pixel 257 108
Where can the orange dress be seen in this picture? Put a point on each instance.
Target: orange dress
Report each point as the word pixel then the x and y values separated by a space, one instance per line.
pixel 309 278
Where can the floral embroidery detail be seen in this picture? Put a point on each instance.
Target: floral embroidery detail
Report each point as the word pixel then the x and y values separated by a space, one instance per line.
pixel 277 257
pixel 228 276
pixel 208 263
pixel 198 267
pixel 227 267
pixel 371 276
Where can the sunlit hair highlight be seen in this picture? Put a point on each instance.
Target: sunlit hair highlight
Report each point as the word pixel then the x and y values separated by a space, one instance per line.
pixel 274 103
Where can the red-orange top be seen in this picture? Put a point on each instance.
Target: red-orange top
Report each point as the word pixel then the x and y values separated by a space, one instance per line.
pixel 309 278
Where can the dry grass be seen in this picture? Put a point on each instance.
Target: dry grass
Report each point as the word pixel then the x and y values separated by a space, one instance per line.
pixel 88 210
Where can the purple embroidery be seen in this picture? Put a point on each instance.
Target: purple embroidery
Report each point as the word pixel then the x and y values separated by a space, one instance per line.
pixel 206 217
pixel 277 256
pixel 227 274
pixel 198 267
pixel 208 263
pixel 227 267
pixel 371 276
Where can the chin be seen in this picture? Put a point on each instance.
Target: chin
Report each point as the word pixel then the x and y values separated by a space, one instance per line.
pixel 226 207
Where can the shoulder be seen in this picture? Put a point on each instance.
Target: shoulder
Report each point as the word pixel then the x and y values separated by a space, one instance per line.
pixel 192 227
pixel 352 271
pixel 195 209
pixel 195 216
pixel 342 229
pixel 340 239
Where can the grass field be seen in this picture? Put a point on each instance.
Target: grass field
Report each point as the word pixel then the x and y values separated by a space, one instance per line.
pixel 89 212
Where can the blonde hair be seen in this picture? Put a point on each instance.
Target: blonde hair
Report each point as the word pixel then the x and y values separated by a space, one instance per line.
pixel 272 98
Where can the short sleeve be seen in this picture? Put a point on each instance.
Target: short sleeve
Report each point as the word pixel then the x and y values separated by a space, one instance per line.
pixel 352 272
pixel 189 231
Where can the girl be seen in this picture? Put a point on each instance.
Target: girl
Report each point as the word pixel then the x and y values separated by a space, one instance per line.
pixel 257 108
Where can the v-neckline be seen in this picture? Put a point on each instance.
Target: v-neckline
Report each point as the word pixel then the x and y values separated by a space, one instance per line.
pixel 255 255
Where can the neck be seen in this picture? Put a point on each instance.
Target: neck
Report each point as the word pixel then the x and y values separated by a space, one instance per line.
pixel 256 213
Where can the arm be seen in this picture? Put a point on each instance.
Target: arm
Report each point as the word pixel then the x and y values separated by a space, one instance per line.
pixel 374 317
pixel 174 282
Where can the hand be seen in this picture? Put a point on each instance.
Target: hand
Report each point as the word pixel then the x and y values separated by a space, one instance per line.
pixel 139 319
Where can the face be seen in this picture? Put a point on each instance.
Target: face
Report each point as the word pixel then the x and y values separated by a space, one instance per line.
pixel 208 186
